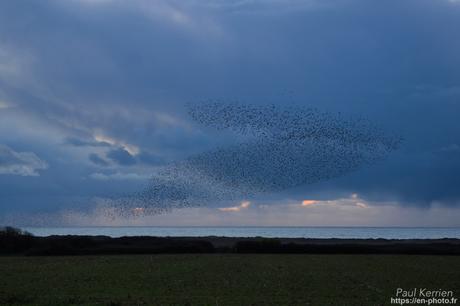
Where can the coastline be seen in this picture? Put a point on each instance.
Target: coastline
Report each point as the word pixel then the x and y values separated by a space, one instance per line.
pixel 95 245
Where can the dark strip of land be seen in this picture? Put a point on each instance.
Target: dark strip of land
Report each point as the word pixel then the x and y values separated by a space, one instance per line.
pixel 94 245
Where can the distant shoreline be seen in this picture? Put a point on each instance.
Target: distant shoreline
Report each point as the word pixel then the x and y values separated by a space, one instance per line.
pixel 94 245
pixel 230 226
pixel 323 232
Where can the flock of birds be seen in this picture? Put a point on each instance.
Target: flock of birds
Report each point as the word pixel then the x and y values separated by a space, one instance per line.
pixel 279 148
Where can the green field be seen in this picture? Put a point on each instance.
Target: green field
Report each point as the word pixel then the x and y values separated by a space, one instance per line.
pixel 221 279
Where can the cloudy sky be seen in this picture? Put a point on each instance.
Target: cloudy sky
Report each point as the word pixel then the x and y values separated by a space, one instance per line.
pixel 92 96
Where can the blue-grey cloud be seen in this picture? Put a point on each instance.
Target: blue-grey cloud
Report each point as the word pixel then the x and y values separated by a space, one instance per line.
pixel 122 157
pixel 150 159
pixel 74 141
pixel 98 160
pixel 20 163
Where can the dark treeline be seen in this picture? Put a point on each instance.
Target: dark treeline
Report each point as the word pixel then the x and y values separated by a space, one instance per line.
pixel 16 242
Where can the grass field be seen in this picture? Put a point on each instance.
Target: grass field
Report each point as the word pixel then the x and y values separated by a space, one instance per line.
pixel 221 279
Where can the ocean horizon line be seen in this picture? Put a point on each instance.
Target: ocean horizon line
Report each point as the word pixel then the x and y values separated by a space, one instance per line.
pixel 225 226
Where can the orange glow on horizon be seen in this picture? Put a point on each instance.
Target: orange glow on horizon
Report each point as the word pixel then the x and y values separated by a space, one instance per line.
pixel 308 202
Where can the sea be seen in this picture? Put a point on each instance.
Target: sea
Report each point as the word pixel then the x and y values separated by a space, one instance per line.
pixel 269 232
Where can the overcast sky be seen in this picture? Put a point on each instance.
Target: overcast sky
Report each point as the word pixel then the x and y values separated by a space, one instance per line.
pixel 92 96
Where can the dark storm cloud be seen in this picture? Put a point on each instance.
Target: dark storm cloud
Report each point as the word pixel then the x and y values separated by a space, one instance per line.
pixel 122 157
pixel 150 159
pixel 98 160
pixel 112 77
pixel 74 141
